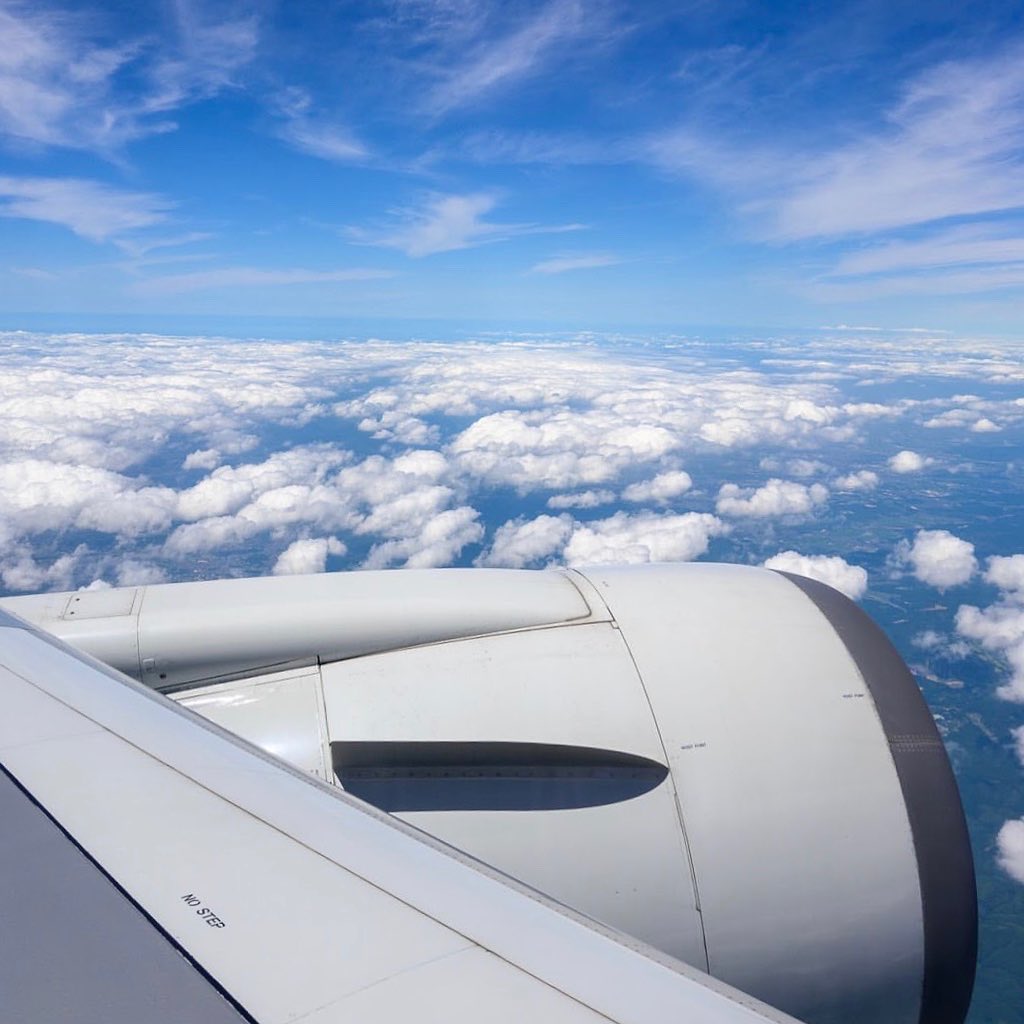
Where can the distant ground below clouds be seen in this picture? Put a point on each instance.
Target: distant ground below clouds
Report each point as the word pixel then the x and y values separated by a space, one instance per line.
pixel 891 466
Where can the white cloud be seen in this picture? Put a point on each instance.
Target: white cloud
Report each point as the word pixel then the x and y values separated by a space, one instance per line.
pixel 927 639
pixel 111 402
pixel 208 535
pixel 19 570
pixel 806 467
pixel 309 133
pixel 1010 849
pixel 775 498
pixel 88 208
pixel 572 398
pixel 581 499
pixel 939 558
pixel 448 222
pixel 643 537
pixel 941 283
pixel 1018 739
pixel 307 555
pixel 1000 626
pixel 202 458
pixel 318 487
pixel 1007 573
pixel 907 461
pixel 872 410
pixel 254 277
pixel 62 84
pixel 937 643
pixel 521 542
pixel 985 426
pixel 950 147
pixel 557 450
pixel 492 62
pixel 574 261
pixel 37 495
pixel 134 573
pixel 230 488
pixel 859 480
pixel 438 542
pixel 958 246
pixel 660 489
pixel 852 580
pixel 96 428
pixel 951 418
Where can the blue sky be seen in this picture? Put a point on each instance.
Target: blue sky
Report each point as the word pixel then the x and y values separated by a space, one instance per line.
pixel 556 163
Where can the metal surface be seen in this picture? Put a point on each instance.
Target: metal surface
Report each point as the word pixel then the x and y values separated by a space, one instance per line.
pixel 177 634
pixel 304 903
pixel 941 842
pixel 735 769
pixel 282 713
pixel 625 862
pixel 794 817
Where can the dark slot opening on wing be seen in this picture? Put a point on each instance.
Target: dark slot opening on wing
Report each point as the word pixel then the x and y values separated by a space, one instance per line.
pixel 480 776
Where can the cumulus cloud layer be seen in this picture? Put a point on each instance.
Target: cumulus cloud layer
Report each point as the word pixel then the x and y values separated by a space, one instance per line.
pixel 775 498
pixel 908 462
pixel 644 537
pixel 852 580
pixel 308 554
pixel 520 543
pixel 621 539
pixel 662 488
pixel 142 454
pixel 938 558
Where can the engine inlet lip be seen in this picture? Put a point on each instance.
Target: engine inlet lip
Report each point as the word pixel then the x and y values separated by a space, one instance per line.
pixel 942 846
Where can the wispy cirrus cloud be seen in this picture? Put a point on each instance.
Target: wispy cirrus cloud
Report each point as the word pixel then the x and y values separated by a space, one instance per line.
pixel 448 222
pixel 494 60
pixel 967 245
pixel 962 281
pixel 90 209
pixel 254 277
pixel 63 83
pixel 575 261
pixel 965 259
pixel 951 146
pixel 306 131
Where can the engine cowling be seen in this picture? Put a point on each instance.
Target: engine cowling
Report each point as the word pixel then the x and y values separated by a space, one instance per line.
pixel 729 763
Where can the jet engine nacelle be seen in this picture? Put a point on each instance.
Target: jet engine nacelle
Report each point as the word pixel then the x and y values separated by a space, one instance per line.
pixel 731 764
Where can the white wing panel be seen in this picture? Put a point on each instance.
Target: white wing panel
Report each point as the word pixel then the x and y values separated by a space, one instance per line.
pixel 301 902
pixel 282 713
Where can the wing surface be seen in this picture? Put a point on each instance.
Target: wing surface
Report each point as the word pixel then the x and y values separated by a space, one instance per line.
pixel 158 868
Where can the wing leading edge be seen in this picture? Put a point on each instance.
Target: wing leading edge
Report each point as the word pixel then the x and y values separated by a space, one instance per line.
pixel 158 861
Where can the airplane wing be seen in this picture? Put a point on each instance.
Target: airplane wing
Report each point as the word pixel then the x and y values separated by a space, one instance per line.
pixel 157 868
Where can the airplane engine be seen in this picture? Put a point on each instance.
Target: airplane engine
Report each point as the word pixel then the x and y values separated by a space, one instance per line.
pixel 731 764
